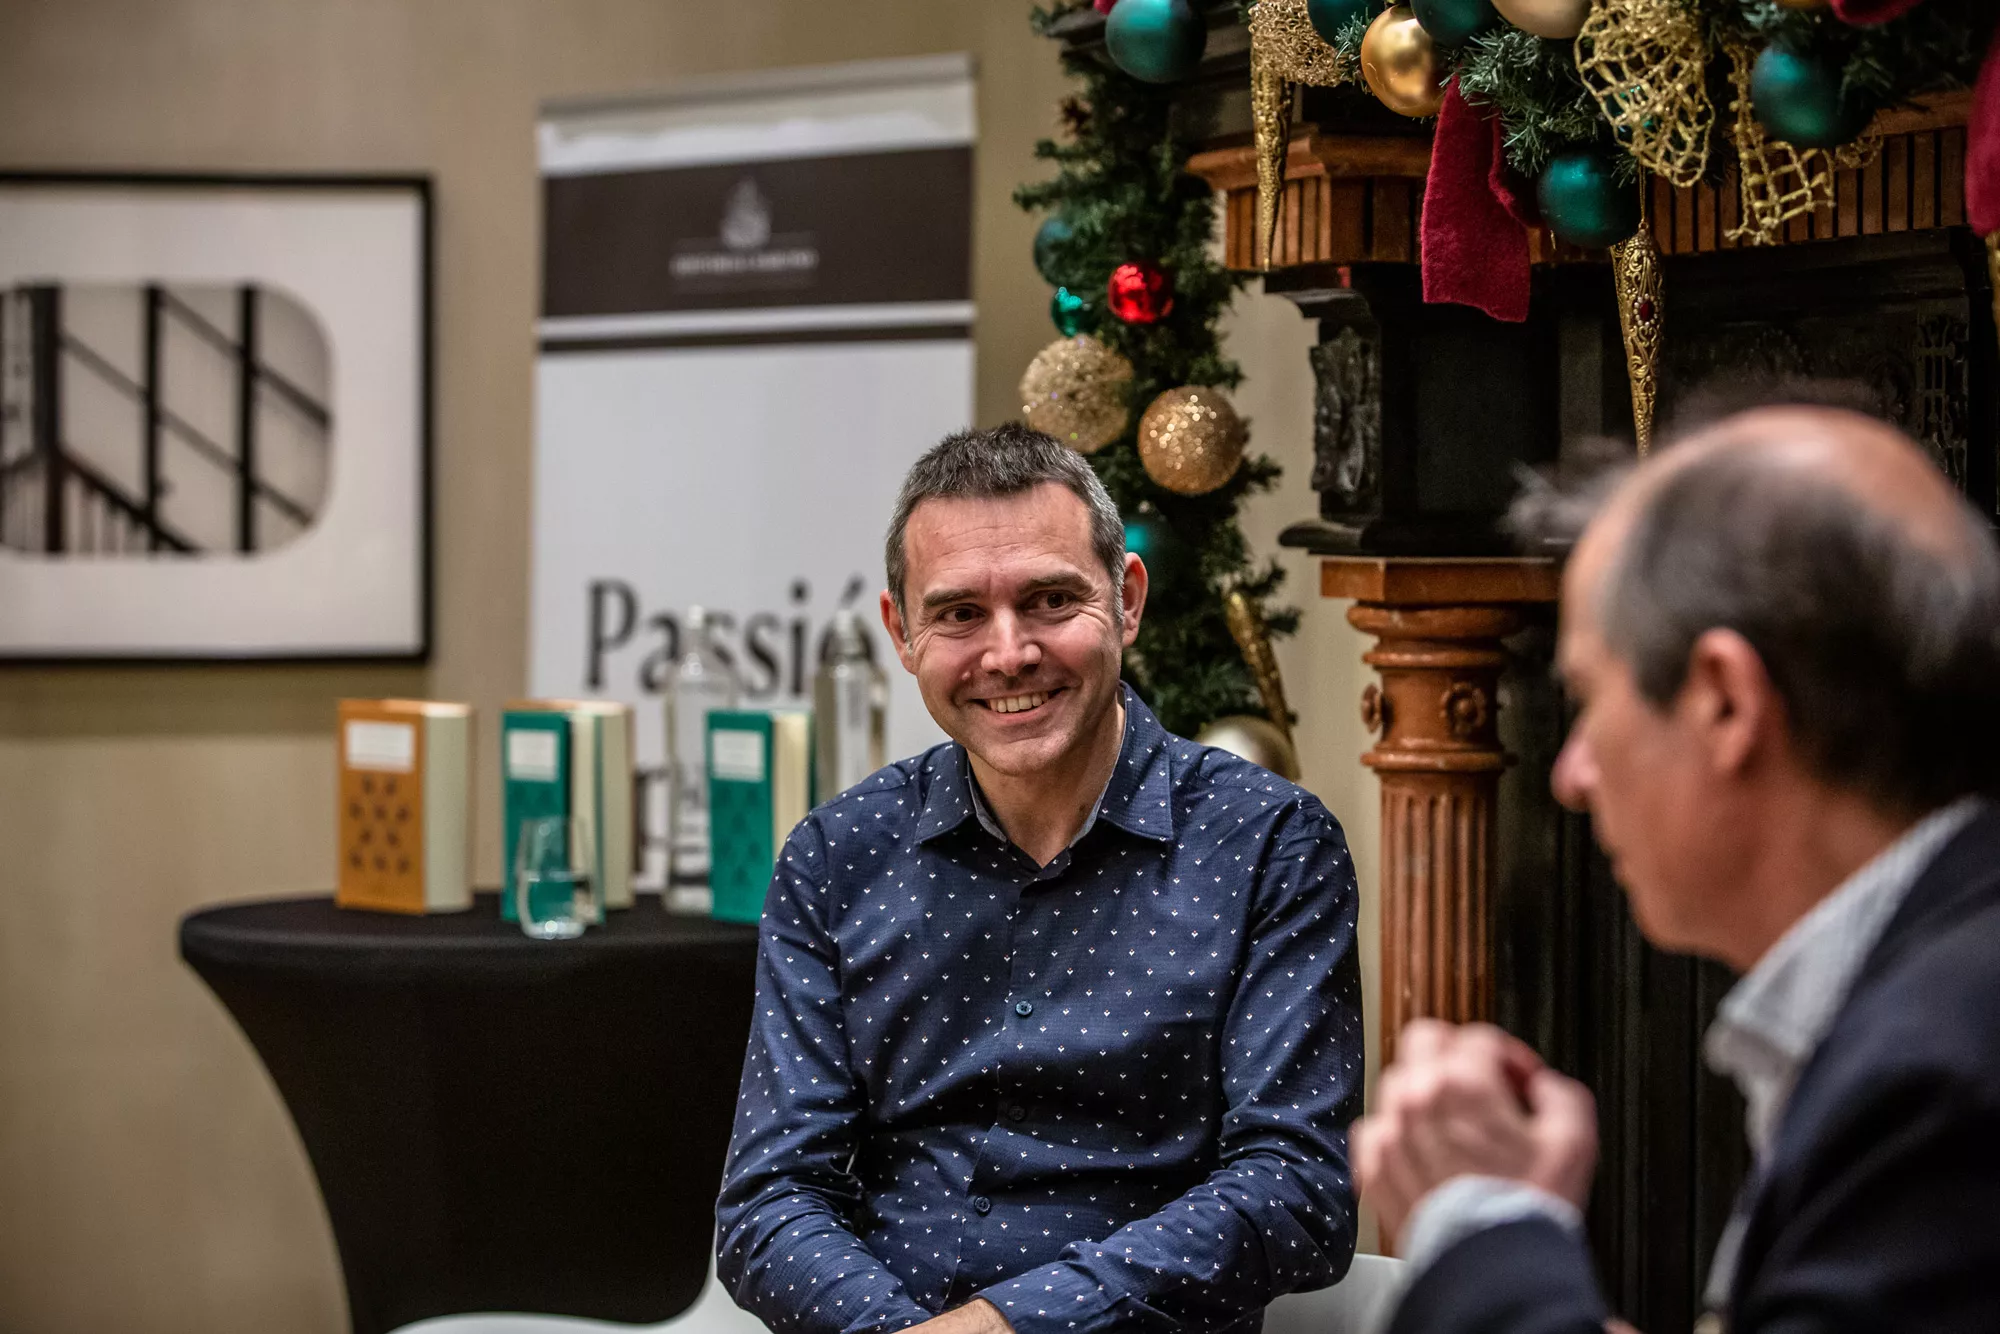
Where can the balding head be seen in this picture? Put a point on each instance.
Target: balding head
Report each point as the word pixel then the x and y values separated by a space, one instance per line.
pixel 1831 543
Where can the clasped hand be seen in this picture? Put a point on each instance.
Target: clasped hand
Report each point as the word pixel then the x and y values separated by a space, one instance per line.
pixel 1471 1100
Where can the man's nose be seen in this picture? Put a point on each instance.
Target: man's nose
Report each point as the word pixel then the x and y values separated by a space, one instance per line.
pixel 1011 648
pixel 1573 777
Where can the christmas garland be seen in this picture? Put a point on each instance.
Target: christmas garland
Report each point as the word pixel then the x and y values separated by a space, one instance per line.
pixel 1138 381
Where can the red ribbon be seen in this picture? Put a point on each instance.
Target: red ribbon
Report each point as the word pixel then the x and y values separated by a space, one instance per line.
pixel 1473 238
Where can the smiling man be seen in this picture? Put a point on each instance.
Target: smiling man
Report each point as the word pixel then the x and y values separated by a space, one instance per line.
pixel 1058 1024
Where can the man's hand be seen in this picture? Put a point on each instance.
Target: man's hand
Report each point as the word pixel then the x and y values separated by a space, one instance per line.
pixel 977 1316
pixel 1471 1101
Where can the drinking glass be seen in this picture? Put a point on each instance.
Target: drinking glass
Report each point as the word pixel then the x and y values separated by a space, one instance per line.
pixel 555 885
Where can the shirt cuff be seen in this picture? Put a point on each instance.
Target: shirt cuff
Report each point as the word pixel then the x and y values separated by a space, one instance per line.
pixel 1055 1297
pixel 1468 1204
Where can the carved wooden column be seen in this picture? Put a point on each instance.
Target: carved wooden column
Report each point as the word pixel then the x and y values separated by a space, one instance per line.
pixel 1438 626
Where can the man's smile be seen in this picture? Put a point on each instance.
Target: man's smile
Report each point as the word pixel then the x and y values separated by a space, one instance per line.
pixel 1022 703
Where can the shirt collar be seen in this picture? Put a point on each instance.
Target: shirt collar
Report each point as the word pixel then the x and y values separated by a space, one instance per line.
pixel 1773 1020
pixel 1137 798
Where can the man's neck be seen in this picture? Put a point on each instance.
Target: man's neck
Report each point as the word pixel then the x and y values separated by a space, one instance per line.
pixel 1042 812
pixel 1809 851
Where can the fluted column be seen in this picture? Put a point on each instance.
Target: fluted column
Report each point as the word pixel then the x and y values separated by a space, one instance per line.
pixel 1438 627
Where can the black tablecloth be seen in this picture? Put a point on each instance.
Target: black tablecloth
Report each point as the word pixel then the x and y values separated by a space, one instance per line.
pixel 498 1123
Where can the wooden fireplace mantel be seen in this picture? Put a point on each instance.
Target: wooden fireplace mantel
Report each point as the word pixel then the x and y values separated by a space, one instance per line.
pixel 1438 626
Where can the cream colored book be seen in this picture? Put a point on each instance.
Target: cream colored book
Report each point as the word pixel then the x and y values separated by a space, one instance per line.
pixel 405 805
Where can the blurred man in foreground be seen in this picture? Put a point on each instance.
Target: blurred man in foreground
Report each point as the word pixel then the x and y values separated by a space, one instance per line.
pixel 1781 637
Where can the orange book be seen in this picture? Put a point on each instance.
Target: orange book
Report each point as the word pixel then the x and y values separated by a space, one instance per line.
pixel 405 805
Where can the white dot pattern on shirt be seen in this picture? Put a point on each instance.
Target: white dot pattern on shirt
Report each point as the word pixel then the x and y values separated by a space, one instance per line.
pixel 1165 1126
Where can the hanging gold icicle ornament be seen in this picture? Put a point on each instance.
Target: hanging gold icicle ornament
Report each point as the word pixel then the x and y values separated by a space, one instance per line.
pixel 1253 637
pixel 1635 265
pixel 1646 64
pixel 1283 31
pixel 1271 119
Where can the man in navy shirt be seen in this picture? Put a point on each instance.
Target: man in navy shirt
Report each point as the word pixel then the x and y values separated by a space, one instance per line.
pixel 1058 1024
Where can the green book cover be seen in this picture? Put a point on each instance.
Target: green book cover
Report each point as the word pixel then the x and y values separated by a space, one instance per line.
pixel 535 755
pixel 759 782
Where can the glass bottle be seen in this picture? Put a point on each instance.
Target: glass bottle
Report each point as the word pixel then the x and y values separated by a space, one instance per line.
pixel 702 681
pixel 850 707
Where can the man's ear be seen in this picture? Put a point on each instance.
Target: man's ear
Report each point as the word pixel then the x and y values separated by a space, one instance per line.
pixel 892 621
pixel 1729 700
pixel 1135 597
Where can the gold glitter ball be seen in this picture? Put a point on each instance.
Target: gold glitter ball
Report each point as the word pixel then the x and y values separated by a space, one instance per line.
pixel 1191 441
pixel 1400 64
pixel 1075 390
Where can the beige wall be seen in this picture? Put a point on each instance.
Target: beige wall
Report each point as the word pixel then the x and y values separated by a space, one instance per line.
pixel 149 1179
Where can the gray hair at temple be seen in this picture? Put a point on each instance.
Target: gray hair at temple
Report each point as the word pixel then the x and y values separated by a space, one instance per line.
pixel 1884 645
pixel 1004 461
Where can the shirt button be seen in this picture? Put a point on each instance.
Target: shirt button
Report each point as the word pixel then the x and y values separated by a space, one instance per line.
pixel 1024 1008
pixel 1017 1113
pixel 981 1205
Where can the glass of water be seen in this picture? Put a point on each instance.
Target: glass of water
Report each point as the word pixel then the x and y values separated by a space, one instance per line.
pixel 555 885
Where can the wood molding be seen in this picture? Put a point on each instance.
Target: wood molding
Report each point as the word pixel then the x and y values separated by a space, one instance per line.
pixel 1312 154
pixel 1438 627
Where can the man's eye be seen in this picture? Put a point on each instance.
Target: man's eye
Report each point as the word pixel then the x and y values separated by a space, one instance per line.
pixel 1055 600
pixel 959 615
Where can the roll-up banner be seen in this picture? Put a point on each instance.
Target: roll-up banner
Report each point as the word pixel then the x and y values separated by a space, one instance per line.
pixel 756 313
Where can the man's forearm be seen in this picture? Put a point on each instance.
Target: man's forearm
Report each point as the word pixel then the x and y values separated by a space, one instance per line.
pixel 792 1262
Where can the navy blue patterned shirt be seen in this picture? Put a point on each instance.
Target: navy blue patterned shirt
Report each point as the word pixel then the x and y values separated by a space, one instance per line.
pixel 1109 1091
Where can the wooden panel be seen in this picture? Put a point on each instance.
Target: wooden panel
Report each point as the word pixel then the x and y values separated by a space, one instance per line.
pixel 1415 581
pixel 1923 181
pixel 1732 208
pixel 1872 188
pixel 1896 184
pixel 1683 220
pixel 1289 226
pixel 1704 218
pixel 1347 223
pixel 1393 232
pixel 1847 202
pixel 1951 177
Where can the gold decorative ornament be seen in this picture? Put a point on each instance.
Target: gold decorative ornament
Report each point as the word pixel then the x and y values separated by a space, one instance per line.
pixel 1253 638
pixel 1254 739
pixel 1645 62
pixel 1561 19
pixel 1282 34
pixel 1400 64
pixel 1271 120
pixel 1075 390
pixel 1191 440
pixel 1993 270
pixel 1635 266
pixel 1777 181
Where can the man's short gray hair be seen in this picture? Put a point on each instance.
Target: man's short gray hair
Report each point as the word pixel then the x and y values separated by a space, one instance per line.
pixel 1004 461
pixel 1884 645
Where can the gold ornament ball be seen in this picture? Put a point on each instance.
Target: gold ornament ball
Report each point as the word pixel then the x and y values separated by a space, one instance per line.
pixel 1400 63
pixel 1075 390
pixel 1191 441
pixel 1255 739
pixel 1546 18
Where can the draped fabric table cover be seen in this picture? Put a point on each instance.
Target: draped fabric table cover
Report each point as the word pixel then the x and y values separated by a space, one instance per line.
pixel 498 1123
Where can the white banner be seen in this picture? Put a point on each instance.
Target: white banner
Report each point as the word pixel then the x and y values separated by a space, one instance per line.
pixel 756 315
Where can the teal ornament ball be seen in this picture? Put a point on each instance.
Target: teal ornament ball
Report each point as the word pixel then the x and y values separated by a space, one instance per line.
pixel 1451 22
pixel 1053 234
pixel 1796 98
pixel 1584 202
pixel 1330 16
pixel 1071 313
pixel 1158 41
pixel 1170 559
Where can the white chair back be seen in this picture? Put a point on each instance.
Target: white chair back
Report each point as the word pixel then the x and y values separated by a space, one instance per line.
pixel 1358 1304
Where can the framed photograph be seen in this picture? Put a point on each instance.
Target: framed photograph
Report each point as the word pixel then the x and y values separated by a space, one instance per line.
pixel 215 417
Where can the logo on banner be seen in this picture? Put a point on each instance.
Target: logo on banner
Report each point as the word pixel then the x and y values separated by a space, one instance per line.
pixel 745 252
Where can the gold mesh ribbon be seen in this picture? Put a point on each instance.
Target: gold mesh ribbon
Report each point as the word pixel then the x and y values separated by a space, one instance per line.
pixel 1645 62
pixel 1778 181
pixel 1635 265
pixel 1271 118
pixel 1281 30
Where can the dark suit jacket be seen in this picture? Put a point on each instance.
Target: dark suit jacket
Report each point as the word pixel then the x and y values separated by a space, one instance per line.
pixel 1879 1205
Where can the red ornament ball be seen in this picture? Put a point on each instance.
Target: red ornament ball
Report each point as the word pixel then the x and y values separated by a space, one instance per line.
pixel 1103 6
pixel 1140 293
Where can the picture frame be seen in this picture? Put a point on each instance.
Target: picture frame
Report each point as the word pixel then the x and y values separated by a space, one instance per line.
pixel 216 417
